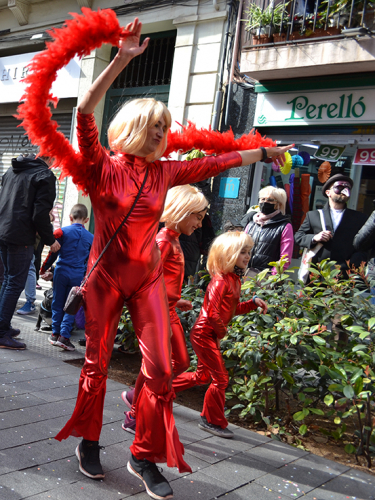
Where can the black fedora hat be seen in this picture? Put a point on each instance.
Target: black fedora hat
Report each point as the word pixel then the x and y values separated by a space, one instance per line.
pixel 335 178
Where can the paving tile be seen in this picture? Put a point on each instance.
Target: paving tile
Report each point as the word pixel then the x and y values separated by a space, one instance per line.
pixel 18 485
pixel 37 373
pixel 248 436
pixel 252 491
pixel 196 464
pixel 353 484
pixel 188 436
pixel 238 470
pixel 38 413
pixel 198 485
pixel 117 485
pixel 17 401
pixel 276 453
pixel 184 414
pixel 58 393
pixel 207 451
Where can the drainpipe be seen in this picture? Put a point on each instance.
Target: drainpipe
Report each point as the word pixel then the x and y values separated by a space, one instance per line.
pixel 219 92
pixel 234 59
pixel 215 4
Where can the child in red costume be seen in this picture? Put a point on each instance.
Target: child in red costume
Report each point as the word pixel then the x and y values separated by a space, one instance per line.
pixel 185 208
pixel 228 258
pixel 130 271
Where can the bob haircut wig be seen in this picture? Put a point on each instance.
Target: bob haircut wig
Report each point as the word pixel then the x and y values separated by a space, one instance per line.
pixel 277 193
pixel 182 201
pixel 127 132
pixel 225 250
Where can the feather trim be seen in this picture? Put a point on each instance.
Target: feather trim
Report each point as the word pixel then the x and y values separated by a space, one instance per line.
pixel 79 36
pixel 212 141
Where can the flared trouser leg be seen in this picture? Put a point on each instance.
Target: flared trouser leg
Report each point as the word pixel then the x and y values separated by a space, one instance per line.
pixel 156 437
pixel 103 307
pixel 210 366
pixel 207 349
pixel 180 357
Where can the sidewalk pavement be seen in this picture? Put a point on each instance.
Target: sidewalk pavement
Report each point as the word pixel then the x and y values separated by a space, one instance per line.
pixel 37 396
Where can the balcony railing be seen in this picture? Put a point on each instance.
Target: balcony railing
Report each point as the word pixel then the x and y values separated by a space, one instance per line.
pixel 282 24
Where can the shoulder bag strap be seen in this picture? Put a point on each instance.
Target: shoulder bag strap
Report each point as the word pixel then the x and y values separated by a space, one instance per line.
pixel 322 221
pixel 117 230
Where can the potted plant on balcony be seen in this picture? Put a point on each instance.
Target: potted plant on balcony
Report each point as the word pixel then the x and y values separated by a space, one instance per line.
pixel 280 22
pixel 258 23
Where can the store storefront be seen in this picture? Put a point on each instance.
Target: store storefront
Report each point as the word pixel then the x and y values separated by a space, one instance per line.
pixel 13 140
pixel 334 125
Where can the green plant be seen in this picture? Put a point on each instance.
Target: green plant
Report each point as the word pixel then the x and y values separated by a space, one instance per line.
pixel 290 350
pixel 259 18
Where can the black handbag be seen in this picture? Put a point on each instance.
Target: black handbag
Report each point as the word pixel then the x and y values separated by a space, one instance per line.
pixel 75 298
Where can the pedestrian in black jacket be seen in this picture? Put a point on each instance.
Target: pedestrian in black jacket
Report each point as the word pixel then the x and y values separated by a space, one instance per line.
pixel 364 240
pixel 342 224
pixel 26 198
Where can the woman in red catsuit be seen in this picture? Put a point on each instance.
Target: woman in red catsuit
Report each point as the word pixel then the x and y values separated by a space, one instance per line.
pixel 185 208
pixel 227 260
pixel 131 271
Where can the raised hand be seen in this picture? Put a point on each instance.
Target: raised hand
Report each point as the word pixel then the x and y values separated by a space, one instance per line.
pixel 278 154
pixel 129 45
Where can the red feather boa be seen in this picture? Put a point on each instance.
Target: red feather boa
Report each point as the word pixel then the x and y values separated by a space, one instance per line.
pixel 212 141
pixel 80 36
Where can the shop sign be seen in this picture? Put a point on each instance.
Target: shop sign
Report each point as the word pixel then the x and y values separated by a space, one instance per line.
pixel 365 156
pixel 14 68
pixel 315 108
pixel 229 187
pixel 329 153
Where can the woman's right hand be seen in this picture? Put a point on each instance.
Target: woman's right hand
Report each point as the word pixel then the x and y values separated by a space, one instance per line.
pixel 129 45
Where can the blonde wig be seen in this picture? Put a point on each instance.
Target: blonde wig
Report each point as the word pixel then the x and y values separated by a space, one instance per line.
pixel 181 201
pixel 225 250
pixel 127 132
pixel 278 194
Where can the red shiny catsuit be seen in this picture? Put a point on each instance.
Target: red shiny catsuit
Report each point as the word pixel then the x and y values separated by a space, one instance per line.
pixel 221 303
pixel 173 263
pixel 131 271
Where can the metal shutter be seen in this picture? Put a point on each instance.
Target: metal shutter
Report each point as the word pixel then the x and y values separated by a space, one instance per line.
pixel 13 142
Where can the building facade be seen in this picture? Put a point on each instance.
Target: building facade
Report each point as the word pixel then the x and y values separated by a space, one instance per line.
pixel 186 52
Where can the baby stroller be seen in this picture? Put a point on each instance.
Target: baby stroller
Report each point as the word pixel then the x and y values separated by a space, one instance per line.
pixel 45 312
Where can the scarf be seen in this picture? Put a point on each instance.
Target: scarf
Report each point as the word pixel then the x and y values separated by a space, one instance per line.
pixel 262 219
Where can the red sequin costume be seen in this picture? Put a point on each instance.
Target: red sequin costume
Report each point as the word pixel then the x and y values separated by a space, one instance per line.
pixel 131 271
pixel 221 303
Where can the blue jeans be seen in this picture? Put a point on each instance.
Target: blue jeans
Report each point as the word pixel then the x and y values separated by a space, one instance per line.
pixel 30 285
pixel 16 261
pixel 63 281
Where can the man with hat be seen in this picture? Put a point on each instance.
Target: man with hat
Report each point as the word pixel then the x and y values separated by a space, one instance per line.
pixel 342 224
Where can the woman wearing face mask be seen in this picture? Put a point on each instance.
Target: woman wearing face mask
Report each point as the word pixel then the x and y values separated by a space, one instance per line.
pixel 270 229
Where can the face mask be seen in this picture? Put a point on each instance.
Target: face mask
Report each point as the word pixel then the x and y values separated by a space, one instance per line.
pixel 342 187
pixel 267 208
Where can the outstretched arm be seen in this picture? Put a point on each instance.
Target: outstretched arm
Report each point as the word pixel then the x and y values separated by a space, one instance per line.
pixel 129 48
pixel 188 172
pixel 253 155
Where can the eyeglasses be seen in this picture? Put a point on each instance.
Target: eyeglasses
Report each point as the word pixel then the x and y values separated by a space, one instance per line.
pixel 339 186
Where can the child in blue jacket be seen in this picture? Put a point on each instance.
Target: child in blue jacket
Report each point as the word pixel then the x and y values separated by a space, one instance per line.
pixel 70 269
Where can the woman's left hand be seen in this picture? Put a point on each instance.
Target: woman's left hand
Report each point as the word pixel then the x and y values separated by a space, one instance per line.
pixel 260 303
pixel 278 154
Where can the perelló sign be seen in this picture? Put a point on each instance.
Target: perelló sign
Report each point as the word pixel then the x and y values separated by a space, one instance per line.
pixel 322 107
